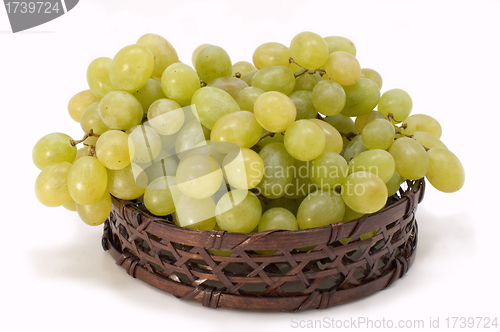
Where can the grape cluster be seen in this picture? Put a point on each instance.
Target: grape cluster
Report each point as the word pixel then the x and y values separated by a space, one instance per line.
pixel 241 147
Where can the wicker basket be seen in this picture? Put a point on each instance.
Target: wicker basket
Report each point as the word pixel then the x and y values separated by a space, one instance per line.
pixel 177 260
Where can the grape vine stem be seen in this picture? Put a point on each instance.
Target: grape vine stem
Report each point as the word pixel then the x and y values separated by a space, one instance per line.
pixel 87 135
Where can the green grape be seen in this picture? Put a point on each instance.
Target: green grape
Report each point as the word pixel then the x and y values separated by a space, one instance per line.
pixel 91 119
pixel 146 144
pixel 328 97
pixel 79 102
pixel 195 213
pixel 421 122
pixel 353 148
pixel 396 102
pixel 52 149
pixel 164 165
pixel 164 53
pixel 303 104
pixel 238 211
pixel 113 149
pixel 378 162
pixel 338 43
pixel 309 50
pixel 51 186
pixel 343 68
pixel 361 97
pixel 70 205
pixel 149 93
pixel 278 218
pixel 127 183
pixel 304 140
pixel 274 78
pixel 328 170
pixel 278 170
pixel 276 138
pixel 199 176
pixel 378 134
pixel 428 141
pixel 295 67
pixel 282 202
pixel 165 116
pixel 271 54
pixel 83 151
pixel 343 124
pixel 372 75
pixel 350 215
pixel 195 53
pixel 131 68
pixel 87 180
pixel 213 62
pixel 320 208
pixel 158 198
pixel 91 140
pixel 231 85
pixel 412 162
pixel 190 135
pixel 240 128
pixel 446 172
pixel 333 140
pixel 120 110
pixel 207 148
pixel 274 111
pixel 301 185
pixel 96 213
pixel 249 76
pixel 98 77
pixel 363 120
pixel 242 67
pixel 243 168
pixel 211 104
pixel 364 192
pixel 393 184
pixel 247 97
pixel 179 83
pixel 306 81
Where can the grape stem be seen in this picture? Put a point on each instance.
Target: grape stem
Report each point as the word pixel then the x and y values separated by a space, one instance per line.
pixel 406 135
pixel 91 151
pixel 237 75
pixel 267 134
pixel 302 73
pixel 87 135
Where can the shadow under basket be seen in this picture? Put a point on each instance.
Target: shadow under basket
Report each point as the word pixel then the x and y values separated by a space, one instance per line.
pixel 178 260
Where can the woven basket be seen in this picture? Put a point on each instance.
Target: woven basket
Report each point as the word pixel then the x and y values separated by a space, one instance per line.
pixel 177 260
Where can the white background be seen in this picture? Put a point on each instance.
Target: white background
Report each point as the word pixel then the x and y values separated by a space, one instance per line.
pixel 54 274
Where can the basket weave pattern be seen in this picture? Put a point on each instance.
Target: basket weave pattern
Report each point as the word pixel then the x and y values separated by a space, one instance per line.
pixel 177 260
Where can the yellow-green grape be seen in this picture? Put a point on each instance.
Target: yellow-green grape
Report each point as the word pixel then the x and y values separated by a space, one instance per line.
pixel 304 140
pixel 127 183
pixel 353 148
pixel 247 97
pixel 372 75
pixel 412 162
pixel 328 97
pixel 421 122
pixel 91 140
pixel 428 141
pixel 393 184
pixel 303 104
pixel 131 68
pixel 306 81
pixel 364 192
pixel 149 93
pixel 301 185
pixel 98 77
pixel 446 172
pixel 309 50
pixel 333 139
pixel 146 144
pixel 338 43
pixel 164 53
pixel 294 67
pixel 362 120
pixel 238 211
pixel 120 110
pixel 213 62
pixel 240 128
pixel 343 124
pixel 206 148
pixel 249 76
pixel 87 180
pixel 378 134
pixel 321 208
pixel 328 170
pixel 190 135
pixel 195 53
pixel 179 83
pixel 274 78
pixel 70 205
pixel 271 54
pixel 164 165
pixel 195 213
pixel 396 102
pixel 91 119
pixel 96 213
pixel 343 68
pixel 165 116
pixel 278 218
pixel 83 151
pixel 52 149
pixel 242 67
pixel 158 198
pixel 113 149
pixel 231 85
pixel 79 102
pixel 282 202
pixel 211 104
pixel 276 138
pixel 51 186
pixel 278 166
pixel 274 111
pixel 350 215
pixel 378 162
pixel 199 176
pixel 361 97
pixel 243 168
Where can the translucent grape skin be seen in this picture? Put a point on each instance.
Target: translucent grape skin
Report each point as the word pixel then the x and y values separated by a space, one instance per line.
pixel 87 180
pixel 131 68
pixel 338 43
pixel 79 102
pixel 179 83
pixel 412 162
pixel 91 119
pixel 428 141
pixel 361 97
pixel 278 170
pixel 52 149
pixel 274 78
pixel 373 75
pixel 303 104
pixel 421 122
pixel 240 128
pixel 275 111
pixel 70 205
pixel 98 77
pixel 304 140
pixel 231 85
pixel 243 168
pixel 301 185
pixel 238 211
pixel 320 208
pixel 163 52
pixel 113 149
pixel 364 192
pixel 353 148
pixel 127 183
pixel 377 161
pixel 278 218
pixel 96 213
pixel 51 186
pixel 212 104
pixel 343 68
pixel 242 67
pixel 328 98
pixel 190 135
pixel 446 172
pixel 378 134
pixel 306 81
pixel 396 102
pixel 363 120
pixel 213 62
pixel 333 139
pixel 248 76
pixel 149 93
pixel 309 50
pixel 145 143
pixel 120 110
pixel 271 54
pixel 393 184
pixel 343 124
pixel 165 116
pixel 158 198
pixel 247 97
pixel 199 176
pixel 195 213
pixel 195 53
pixel 328 170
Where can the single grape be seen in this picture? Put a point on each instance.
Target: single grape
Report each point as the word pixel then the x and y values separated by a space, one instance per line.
pixel 70 205
pixel 428 141
pixel 393 184
pixel 378 134
pixel 120 110
pixel 211 104
pixel 207 148
pixel 304 140
pixel 243 168
pixel 98 77
pixel 83 151
pixel 158 198
pixel 127 183
pixel 240 128
pixel 189 136
pixel 343 68
pixel 278 218
pixel 274 78
pixel 164 53
pixel 278 170
pixel 149 93
pixel 364 192
pixel 249 76
pixel 146 144
pixel 96 213
pixel 79 102
pixel 363 120
pixel 231 85
pixel 338 43
pixel 328 170
pixel 320 208
pixel 412 162
pixel 113 149
pixel 378 162
pixel 165 116
pixel 213 62
pixel 199 176
pixel 195 53
pixel 91 119
pixel 238 211
pixel 328 98
pixel 303 104
pixel 195 213
pixel 131 68
pixel 396 102
pixel 333 139
pixel 242 67
pixel 247 97
pixel 306 81
pixel 353 148
pixel 179 83
pixel 87 180
pixel 421 122
pixel 446 172
pixel 274 111
pixel 351 215
pixel 51 186
pixel 309 50
pixel 52 149
pixel 361 97
pixel 271 54
pixel 372 75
